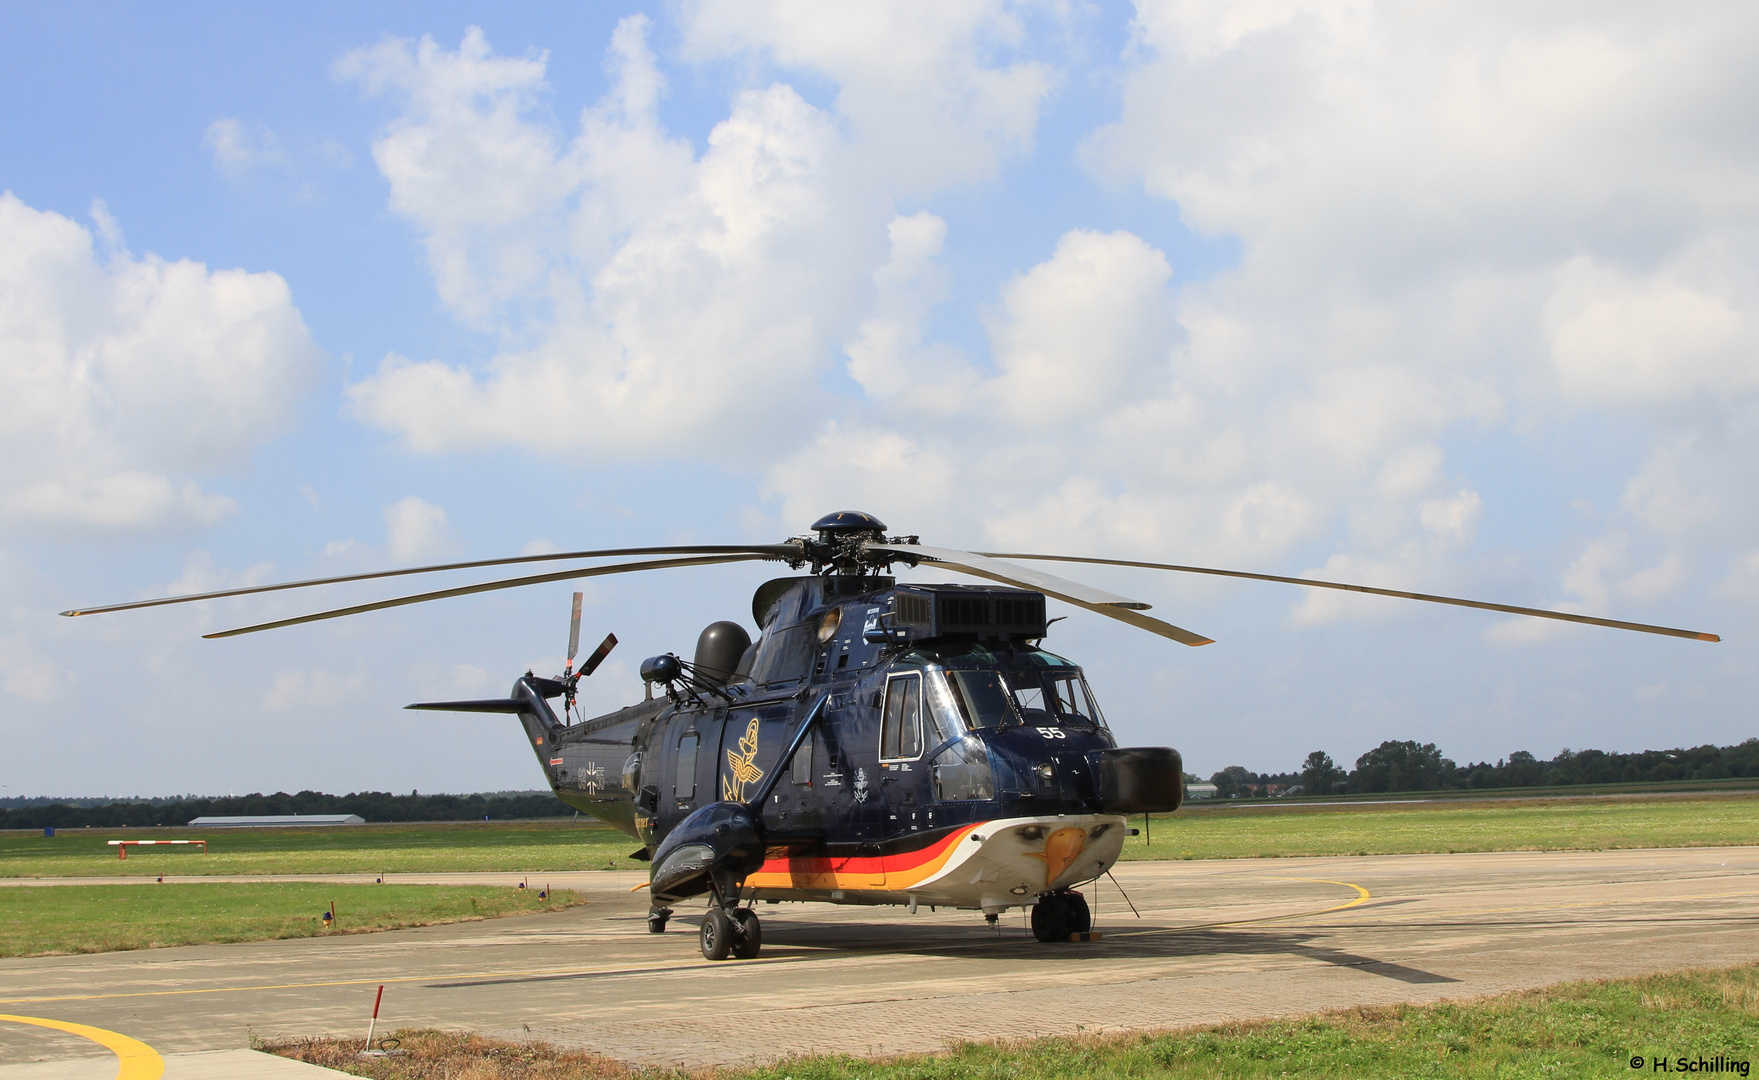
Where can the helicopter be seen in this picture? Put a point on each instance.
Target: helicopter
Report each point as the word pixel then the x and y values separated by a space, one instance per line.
pixel 880 743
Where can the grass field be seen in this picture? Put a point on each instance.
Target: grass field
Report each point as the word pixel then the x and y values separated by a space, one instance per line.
pixel 1234 831
pixel 1214 831
pixel 1575 1030
pixel 107 918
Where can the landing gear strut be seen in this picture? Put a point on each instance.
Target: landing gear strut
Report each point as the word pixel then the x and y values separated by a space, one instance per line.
pixel 1058 915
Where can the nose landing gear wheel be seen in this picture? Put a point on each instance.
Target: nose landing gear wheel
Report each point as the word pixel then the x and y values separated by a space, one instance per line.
pixel 656 920
pixel 716 936
pixel 1048 919
pixel 1058 915
pixel 1076 913
pixel 747 935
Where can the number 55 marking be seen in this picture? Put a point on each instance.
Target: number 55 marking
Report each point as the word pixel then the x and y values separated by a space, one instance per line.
pixel 1052 733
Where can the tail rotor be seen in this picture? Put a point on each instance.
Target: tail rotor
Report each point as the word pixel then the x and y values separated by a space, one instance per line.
pixel 570 676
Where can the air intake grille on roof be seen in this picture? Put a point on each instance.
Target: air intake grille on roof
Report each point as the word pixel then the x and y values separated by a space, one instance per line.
pixel 934 611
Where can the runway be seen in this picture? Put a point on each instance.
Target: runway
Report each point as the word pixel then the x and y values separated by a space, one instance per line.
pixel 1215 941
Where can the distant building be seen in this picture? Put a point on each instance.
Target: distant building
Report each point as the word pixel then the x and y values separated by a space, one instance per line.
pixel 276 821
pixel 1200 791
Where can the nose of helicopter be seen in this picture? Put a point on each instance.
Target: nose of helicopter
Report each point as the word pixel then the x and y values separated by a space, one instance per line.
pixel 1061 849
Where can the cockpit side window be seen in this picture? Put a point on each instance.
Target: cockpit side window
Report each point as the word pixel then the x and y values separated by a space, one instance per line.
pixel 901 728
pixel 941 717
pixel 1029 699
pixel 1074 701
pixel 982 698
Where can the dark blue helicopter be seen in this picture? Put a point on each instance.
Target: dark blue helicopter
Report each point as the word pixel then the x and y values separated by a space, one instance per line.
pixel 880 743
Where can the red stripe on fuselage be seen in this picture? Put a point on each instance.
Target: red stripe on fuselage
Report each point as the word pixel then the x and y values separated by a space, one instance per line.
pixel 896 863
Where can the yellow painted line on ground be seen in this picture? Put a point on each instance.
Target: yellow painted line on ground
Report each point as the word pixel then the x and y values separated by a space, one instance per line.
pixel 1362 897
pixel 137 1060
pixel 1574 904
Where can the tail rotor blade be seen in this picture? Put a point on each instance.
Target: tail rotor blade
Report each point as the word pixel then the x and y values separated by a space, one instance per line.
pixel 591 663
pixel 574 630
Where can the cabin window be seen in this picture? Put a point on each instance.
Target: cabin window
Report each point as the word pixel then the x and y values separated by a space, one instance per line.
pixel 803 760
pixel 982 698
pixel 684 784
pixel 901 730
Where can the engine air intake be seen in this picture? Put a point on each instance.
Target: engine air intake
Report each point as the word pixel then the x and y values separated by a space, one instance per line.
pixel 931 611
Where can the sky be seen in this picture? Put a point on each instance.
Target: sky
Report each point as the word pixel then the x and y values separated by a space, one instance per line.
pixel 1457 297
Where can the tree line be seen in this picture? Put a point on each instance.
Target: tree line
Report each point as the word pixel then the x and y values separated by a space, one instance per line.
pixel 1412 766
pixel 377 806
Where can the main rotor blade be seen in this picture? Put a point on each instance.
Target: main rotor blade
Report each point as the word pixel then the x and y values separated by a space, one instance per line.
pixel 490 586
pixel 1538 613
pixel 1104 603
pixel 768 551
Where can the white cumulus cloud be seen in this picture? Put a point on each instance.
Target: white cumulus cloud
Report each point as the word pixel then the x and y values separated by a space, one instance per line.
pixel 651 295
pixel 417 530
pixel 121 376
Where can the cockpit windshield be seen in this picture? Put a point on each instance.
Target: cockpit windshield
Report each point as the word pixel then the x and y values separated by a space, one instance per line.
pixel 1024 686
pixel 986 699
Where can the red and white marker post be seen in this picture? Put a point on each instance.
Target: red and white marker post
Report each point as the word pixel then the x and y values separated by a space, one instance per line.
pixel 368 1048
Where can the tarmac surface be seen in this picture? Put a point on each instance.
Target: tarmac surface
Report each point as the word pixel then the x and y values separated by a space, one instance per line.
pixel 1215 941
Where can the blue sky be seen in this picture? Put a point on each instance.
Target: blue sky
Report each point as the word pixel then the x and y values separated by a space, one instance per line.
pixel 1460 300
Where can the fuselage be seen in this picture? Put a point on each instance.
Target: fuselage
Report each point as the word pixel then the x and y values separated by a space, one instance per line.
pixel 953 761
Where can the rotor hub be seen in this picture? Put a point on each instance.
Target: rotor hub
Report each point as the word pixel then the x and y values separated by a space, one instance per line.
pixel 841 546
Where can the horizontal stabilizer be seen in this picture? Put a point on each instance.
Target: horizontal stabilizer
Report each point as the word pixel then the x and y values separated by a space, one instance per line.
pixel 506 705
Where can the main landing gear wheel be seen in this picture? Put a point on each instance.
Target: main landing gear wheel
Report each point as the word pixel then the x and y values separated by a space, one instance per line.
pixel 656 920
pixel 748 934
pixel 730 933
pixel 716 935
pixel 1058 915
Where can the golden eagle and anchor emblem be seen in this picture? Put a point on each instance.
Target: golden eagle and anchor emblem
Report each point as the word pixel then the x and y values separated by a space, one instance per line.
pixel 741 769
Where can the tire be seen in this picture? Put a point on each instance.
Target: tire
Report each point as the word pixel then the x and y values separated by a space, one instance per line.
pixel 1049 919
pixel 1077 918
pixel 656 921
pixel 716 935
pixel 747 935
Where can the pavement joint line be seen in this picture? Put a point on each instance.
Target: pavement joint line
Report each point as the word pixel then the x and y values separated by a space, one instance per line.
pixel 355 982
pixel 136 1060
pixel 1577 904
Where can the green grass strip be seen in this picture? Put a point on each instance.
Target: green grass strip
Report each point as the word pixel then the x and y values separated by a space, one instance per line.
pixel 1619 1027
pixel 105 918
pixel 513 847
pixel 1222 831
